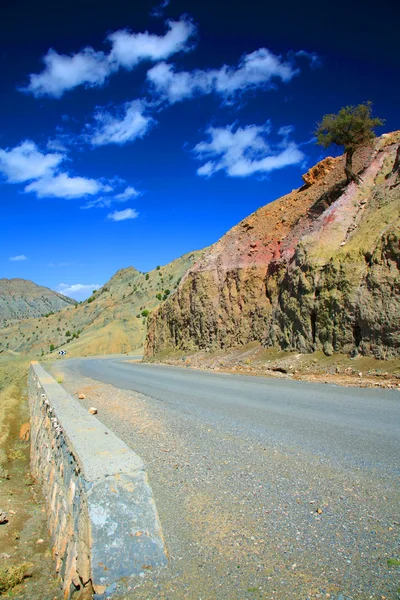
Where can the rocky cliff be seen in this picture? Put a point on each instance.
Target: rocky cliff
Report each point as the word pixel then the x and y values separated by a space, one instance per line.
pixel 23 299
pixel 316 269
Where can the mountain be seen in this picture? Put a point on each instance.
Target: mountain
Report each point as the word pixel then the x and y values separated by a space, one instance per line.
pixel 23 299
pixel 317 269
pixel 112 320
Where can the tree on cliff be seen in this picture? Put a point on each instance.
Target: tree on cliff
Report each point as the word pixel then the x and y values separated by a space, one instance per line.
pixel 351 127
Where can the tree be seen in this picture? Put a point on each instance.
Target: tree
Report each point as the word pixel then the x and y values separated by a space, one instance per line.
pixel 351 127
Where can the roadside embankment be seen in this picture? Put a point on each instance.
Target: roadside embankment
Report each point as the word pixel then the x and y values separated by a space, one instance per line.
pixel 101 513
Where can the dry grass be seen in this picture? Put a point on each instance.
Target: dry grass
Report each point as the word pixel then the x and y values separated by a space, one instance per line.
pixel 12 576
pixel 59 377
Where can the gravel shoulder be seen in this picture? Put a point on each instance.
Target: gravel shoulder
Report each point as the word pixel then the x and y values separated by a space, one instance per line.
pixel 246 515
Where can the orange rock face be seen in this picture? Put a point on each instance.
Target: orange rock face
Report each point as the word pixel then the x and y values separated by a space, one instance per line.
pixel 24 432
pixel 319 171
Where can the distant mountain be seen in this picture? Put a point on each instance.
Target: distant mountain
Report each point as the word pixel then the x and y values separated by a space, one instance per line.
pixel 22 299
pixel 113 320
pixel 317 269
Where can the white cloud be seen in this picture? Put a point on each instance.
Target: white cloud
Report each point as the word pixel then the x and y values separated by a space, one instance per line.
pixel 132 124
pixel 244 151
pixel 19 257
pixel 78 291
pixel 130 48
pixel 63 72
pixel 64 186
pixel 123 215
pixel 127 194
pixel 88 67
pixel 25 162
pixel 255 70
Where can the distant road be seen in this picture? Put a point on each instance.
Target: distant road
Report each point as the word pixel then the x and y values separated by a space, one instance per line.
pixel 266 488
pixel 358 425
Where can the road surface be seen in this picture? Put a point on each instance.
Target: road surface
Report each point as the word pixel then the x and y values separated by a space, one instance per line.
pixel 266 488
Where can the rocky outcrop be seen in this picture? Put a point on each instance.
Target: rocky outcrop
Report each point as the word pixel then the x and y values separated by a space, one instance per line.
pixel 316 269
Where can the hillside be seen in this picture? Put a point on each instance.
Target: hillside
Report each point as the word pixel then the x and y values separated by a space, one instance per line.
pixel 23 299
pixel 113 320
pixel 317 269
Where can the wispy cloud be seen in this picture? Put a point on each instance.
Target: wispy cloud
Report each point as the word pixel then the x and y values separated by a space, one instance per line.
pixel 158 11
pixel 26 162
pixel 19 257
pixel 78 291
pixel 123 215
pixel 64 186
pixel 312 57
pixel 131 123
pixel 259 69
pixel 127 194
pixel 90 68
pixel 107 201
pixel 101 202
pixel 243 151
pixel 60 264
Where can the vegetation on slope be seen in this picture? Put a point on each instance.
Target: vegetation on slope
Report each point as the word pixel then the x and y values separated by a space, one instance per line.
pixel 112 320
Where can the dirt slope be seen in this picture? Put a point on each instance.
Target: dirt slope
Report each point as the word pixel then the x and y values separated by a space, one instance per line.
pixel 317 269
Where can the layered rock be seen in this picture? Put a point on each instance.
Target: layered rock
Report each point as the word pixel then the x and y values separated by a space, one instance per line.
pixel 316 269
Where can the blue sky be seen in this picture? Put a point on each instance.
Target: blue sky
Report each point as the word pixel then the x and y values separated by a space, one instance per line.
pixel 130 135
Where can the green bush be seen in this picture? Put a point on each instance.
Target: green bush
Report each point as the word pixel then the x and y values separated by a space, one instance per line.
pixel 90 299
pixel 147 276
pixel 145 313
pixel 52 347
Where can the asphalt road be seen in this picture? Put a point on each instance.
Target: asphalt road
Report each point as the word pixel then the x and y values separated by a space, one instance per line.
pixel 361 426
pixel 266 488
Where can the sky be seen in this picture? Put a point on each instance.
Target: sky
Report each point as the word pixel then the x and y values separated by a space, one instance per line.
pixel 132 133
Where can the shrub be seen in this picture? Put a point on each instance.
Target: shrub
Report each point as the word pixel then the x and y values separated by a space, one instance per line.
pixel 90 299
pixel 145 313
pixel 147 276
pixel 52 347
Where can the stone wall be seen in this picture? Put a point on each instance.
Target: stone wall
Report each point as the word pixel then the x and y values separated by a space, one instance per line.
pixel 101 513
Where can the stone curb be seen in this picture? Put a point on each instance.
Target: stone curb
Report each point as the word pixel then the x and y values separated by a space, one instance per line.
pixel 101 513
